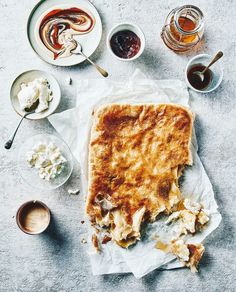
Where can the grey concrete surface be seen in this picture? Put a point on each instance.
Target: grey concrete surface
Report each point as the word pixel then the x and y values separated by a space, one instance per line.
pixel 56 260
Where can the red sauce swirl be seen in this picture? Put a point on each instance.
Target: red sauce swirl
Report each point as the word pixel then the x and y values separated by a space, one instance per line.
pixel 57 21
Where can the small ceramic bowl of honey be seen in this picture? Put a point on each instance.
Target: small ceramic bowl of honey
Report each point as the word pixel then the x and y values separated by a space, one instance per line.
pixel 33 217
pixel 212 77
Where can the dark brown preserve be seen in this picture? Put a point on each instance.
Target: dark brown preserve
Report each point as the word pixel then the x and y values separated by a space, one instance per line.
pixel 125 44
pixel 195 80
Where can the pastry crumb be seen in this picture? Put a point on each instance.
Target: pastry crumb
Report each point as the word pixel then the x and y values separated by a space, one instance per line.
pixel 69 80
pixel 189 219
pixel 106 239
pixel 188 254
pixel 83 241
pixel 96 243
pixel 73 192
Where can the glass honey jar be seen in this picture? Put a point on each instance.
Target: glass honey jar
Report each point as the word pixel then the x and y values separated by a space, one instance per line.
pixel 183 29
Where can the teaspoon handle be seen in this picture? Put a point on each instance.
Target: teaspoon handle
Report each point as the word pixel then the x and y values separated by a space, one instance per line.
pixel 100 70
pixel 216 58
pixel 9 143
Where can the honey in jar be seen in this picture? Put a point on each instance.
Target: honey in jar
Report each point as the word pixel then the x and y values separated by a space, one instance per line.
pixel 183 29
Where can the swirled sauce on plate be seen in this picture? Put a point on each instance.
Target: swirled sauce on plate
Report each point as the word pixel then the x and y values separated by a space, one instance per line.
pixel 58 27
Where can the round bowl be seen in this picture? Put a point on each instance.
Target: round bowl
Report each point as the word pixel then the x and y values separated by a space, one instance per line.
pixel 126 26
pixel 216 69
pixel 30 175
pixel 28 76
pixel 33 217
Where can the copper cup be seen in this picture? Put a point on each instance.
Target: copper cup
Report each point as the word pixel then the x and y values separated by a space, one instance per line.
pixel 33 217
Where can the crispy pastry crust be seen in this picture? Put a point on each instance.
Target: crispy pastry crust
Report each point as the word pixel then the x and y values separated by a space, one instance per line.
pixel 195 254
pixel 136 154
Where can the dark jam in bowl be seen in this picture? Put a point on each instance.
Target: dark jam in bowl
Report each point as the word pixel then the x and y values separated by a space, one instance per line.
pixel 125 44
pixel 195 80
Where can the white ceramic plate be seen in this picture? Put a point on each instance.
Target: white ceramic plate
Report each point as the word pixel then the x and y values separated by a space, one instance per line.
pixel 28 76
pixel 89 41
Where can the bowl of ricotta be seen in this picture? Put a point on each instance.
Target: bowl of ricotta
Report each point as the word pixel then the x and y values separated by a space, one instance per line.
pixel 35 86
pixel 45 162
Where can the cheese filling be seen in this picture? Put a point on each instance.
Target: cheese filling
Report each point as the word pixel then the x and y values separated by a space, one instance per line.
pixel 186 220
pixel 121 231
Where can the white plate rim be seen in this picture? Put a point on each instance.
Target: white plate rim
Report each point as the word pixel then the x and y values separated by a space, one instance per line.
pixel 98 19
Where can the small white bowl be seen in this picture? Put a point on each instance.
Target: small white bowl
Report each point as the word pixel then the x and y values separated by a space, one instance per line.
pixel 127 26
pixel 31 176
pixel 28 76
pixel 216 69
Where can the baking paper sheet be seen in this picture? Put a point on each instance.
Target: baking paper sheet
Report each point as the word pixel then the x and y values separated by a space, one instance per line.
pixel 74 126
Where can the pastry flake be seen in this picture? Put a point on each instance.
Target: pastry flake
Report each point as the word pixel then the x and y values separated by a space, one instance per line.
pixel 188 254
pixel 190 218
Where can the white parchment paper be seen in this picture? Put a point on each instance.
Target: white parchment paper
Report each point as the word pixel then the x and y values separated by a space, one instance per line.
pixel 74 126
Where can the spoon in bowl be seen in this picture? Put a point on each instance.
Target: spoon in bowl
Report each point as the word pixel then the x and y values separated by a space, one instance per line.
pixel 78 50
pixel 200 74
pixel 28 111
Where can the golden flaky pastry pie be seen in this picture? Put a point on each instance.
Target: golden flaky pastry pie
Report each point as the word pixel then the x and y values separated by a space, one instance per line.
pixel 136 155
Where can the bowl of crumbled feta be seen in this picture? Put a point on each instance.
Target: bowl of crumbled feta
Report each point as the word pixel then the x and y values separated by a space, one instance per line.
pixel 45 162
pixel 35 86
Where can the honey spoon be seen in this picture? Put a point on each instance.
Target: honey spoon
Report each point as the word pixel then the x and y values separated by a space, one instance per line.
pixel 200 74
pixel 78 50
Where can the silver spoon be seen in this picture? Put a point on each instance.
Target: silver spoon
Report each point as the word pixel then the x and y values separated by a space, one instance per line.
pixel 215 59
pixel 78 50
pixel 28 111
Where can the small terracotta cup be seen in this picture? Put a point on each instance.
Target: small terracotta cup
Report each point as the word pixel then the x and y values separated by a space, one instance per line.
pixel 33 217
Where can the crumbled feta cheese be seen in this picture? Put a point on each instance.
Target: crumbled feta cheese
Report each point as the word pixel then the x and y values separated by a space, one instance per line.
pixel 48 159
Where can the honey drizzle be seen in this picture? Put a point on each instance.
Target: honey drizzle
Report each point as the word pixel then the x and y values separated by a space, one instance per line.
pixel 162 246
